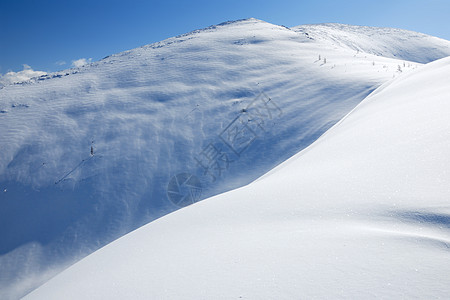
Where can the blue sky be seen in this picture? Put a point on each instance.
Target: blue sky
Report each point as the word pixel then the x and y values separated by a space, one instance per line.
pixel 48 35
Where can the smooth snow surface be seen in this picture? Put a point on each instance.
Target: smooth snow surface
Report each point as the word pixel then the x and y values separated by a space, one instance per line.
pixel 388 42
pixel 150 115
pixel 362 213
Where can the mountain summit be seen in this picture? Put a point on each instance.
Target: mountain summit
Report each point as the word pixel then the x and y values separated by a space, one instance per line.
pixel 92 153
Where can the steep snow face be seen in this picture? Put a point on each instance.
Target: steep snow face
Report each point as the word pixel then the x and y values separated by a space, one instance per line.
pixel 169 124
pixel 364 211
pixel 387 42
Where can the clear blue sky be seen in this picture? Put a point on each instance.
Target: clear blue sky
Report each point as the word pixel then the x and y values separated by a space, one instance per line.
pixel 46 33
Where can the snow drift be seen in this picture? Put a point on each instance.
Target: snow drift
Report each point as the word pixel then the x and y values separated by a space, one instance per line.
pixel 363 211
pixel 155 117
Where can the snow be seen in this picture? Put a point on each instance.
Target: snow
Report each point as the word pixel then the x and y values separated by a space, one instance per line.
pixel 363 211
pixel 387 42
pixel 149 113
pixel 17 77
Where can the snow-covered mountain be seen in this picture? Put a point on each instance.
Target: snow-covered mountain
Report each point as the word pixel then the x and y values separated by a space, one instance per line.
pixel 194 116
pixel 387 42
pixel 363 212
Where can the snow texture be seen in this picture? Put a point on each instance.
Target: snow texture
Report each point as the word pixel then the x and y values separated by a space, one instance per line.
pixel 387 42
pixel 363 212
pixel 153 113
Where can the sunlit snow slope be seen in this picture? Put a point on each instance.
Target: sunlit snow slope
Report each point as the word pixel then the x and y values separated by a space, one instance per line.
pixel 388 42
pixel 362 213
pixel 153 113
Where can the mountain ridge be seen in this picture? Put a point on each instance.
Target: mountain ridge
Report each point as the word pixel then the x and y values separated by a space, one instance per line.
pixel 382 41
pixel 305 28
pixel 364 211
pixel 149 114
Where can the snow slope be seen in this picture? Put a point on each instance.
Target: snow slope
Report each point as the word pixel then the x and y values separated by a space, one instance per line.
pixel 363 212
pixel 387 42
pixel 15 77
pixel 150 113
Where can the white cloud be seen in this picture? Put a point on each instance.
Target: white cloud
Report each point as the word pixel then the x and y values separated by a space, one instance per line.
pixel 60 63
pixel 81 62
pixel 24 75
